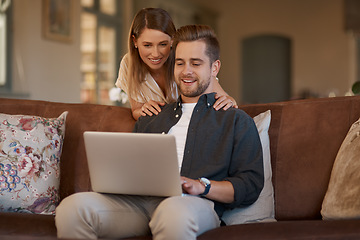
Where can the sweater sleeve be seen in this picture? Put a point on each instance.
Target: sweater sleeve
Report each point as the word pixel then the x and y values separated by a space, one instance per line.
pixel 122 80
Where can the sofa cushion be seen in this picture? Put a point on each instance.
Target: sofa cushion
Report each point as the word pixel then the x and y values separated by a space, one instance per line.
pixel 342 197
pixel 31 226
pixel 289 230
pixel 263 208
pixel 30 150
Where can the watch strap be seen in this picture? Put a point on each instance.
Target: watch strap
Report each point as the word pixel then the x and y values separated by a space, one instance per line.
pixel 207 187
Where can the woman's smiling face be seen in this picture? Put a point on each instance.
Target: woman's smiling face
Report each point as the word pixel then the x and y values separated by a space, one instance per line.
pixel 154 48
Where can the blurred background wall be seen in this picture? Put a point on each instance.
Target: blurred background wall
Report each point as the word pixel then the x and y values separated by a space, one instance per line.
pixel 271 50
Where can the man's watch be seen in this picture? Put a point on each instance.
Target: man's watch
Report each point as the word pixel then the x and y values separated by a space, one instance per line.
pixel 206 182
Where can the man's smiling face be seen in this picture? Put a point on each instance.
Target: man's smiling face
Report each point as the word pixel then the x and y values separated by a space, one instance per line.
pixel 193 71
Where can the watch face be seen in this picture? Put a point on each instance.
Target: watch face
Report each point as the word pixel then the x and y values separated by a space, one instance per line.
pixel 205 181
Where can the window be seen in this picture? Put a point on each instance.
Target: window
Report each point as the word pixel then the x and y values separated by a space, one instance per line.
pixel 100 27
pixel 5 42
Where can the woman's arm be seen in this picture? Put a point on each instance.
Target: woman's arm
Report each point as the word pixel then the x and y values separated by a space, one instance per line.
pixel 142 109
pixel 223 101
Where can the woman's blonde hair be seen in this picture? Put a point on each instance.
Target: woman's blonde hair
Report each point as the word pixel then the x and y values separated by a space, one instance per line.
pixel 151 18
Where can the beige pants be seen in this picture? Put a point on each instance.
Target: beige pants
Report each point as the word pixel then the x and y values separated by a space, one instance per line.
pixel 94 215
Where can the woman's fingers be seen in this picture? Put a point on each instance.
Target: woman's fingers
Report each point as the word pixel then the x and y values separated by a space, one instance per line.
pixel 223 102
pixel 151 107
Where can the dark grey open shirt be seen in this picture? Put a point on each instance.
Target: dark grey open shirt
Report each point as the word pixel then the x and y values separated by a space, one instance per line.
pixel 220 145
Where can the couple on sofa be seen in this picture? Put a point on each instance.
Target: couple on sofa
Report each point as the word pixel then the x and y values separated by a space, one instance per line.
pixel 222 163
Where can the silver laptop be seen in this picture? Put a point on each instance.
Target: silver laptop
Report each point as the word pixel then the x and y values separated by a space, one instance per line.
pixel 133 163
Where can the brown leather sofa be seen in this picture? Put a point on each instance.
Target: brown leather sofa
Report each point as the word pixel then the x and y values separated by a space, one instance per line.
pixel 305 136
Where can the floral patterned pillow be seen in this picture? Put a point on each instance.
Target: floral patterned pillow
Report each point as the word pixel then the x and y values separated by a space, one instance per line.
pixel 30 150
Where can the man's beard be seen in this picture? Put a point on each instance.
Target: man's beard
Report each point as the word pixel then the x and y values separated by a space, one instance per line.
pixel 201 88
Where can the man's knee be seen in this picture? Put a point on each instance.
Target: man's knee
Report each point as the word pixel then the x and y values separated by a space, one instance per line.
pixel 174 218
pixel 174 206
pixel 75 204
pixel 73 213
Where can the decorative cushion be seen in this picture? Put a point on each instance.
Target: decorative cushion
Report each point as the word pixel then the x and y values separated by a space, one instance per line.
pixel 263 209
pixel 342 197
pixel 30 149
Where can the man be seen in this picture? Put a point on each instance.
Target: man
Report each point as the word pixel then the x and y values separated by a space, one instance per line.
pixel 221 157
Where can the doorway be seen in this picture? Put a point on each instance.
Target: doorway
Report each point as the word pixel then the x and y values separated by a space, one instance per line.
pixel 266 69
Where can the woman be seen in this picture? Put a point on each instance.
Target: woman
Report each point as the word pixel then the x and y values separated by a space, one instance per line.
pixel 146 71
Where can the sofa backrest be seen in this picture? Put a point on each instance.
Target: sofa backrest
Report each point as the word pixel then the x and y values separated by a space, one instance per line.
pixel 305 136
pixel 74 175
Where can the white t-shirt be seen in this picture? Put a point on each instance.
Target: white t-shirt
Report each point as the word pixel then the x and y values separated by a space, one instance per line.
pixel 180 130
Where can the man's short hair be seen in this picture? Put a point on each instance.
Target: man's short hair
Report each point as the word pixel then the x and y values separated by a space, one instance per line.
pixel 205 33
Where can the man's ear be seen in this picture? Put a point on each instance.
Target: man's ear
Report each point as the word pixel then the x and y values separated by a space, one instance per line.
pixel 215 68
